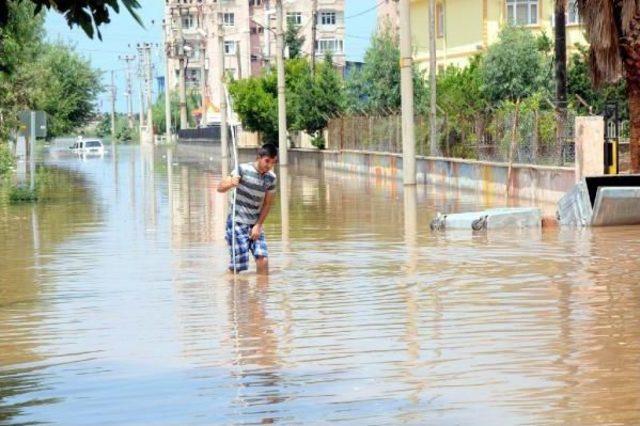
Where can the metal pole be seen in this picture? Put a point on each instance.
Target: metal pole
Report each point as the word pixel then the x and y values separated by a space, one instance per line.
pixel 224 131
pixel 32 152
pixel 113 108
pixel 314 23
pixel 203 80
pixel 282 105
pixel 406 86
pixel 167 94
pixel 433 131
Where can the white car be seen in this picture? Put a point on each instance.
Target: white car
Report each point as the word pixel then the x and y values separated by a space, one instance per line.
pixel 88 147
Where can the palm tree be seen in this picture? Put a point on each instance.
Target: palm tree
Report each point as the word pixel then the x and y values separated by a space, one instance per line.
pixel 613 31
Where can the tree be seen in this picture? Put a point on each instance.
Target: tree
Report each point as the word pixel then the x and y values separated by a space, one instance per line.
pixel 311 100
pixel 579 83
pixel 317 98
pixel 88 14
pixel 255 102
pixel 67 87
pixel 376 88
pixel 514 67
pixel 293 40
pixel 20 43
pixel 613 31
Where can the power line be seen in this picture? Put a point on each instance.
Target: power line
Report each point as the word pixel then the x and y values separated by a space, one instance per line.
pixel 365 11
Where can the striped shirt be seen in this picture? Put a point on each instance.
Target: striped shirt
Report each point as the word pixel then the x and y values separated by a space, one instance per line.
pixel 251 192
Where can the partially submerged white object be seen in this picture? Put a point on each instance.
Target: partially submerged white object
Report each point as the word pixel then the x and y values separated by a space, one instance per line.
pixel 602 201
pixel 498 218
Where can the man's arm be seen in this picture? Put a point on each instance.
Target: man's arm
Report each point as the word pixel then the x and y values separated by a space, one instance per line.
pixel 264 212
pixel 228 183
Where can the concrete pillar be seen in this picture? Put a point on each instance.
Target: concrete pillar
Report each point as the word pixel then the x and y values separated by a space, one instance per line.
pixel 589 146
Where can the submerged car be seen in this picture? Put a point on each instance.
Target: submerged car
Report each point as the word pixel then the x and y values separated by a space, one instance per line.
pixel 89 146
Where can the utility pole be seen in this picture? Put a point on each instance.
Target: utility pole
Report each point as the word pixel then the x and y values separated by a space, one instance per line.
pixel 314 23
pixel 167 95
pixel 149 92
pixel 406 86
pixel 113 108
pixel 561 74
pixel 203 70
pixel 282 105
pixel 141 81
pixel 129 92
pixel 224 131
pixel 433 131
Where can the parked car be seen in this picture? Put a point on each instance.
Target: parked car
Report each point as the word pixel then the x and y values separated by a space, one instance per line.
pixel 88 147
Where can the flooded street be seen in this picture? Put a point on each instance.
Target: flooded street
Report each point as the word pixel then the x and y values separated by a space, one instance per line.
pixel 115 307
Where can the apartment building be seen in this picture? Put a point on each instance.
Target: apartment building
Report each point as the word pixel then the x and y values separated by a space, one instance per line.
pixel 248 27
pixel 467 27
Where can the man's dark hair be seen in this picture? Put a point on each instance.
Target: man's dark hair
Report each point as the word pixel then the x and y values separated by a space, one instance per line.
pixel 268 150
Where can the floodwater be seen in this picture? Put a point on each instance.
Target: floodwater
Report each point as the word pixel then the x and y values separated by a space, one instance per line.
pixel 115 308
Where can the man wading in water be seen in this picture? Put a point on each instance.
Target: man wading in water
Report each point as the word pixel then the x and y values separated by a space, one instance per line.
pixel 255 185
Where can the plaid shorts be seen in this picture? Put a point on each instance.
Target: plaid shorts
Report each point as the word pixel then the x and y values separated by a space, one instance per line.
pixel 244 245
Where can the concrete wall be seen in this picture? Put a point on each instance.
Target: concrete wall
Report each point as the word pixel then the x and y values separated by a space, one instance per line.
pixel 533 183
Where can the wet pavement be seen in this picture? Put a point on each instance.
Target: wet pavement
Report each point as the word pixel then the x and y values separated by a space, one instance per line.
pixel 115 307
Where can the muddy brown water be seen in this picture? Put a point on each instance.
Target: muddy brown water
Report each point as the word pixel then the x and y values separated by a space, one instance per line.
pixel 115 309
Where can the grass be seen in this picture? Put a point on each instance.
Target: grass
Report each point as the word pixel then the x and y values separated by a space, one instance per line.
pixel 22 194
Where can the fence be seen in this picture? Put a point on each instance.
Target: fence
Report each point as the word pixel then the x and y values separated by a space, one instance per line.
pixel 487 137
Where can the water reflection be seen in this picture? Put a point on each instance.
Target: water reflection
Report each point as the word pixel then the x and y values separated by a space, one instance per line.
pixel 116 301
pixel 30 236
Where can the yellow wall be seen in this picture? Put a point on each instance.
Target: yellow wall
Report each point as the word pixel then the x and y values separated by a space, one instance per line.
pixel 471 25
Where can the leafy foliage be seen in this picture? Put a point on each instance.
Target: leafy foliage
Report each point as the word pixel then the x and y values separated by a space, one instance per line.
pixel 376 88
pixel 311 100
pixel 6 159
pixel 579 83
pixel 88 14
pixel 67 89
pixel 515 67
pixel 37 75
pixel 293 40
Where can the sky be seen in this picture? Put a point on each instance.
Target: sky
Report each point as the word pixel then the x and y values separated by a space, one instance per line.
pixel 119 38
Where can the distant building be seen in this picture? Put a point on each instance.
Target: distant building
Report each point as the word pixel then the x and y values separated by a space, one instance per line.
pixel 388 14
pixel 467 27
pixel 249 36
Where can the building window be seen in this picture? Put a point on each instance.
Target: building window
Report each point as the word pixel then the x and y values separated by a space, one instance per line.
pixel 573 16
pixel 329 45
pixel 255 2
pixel 440 20
pixel 522 12
pixel 229 19
pixel 230 47
pixel 327 18
pixel 294 18
pixel 188 22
